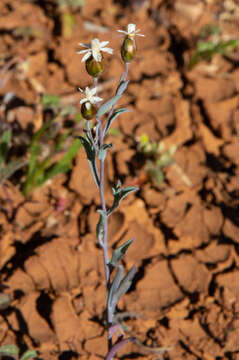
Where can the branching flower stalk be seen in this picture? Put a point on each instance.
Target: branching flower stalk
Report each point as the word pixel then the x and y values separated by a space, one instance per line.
pixel 116 283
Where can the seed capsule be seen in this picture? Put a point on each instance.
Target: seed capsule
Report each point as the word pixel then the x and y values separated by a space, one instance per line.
pixel 88 110
pixel 93 67
pixel 128 49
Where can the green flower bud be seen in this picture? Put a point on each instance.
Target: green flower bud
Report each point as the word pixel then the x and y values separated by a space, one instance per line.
pixel 128 49
pixel 88 110
pixel 93 67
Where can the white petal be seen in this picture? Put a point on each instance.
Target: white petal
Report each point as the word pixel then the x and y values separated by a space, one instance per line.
pixel 122 31
pixel 93 91
pixel 140 35
pixel 96 55
pixel 81 90
pixel 82 51
pixel 108 50
pixel 83 101
pixel 84 45
pixel 96 99
pixel 131 28
pixel 87 55
pixel 103 44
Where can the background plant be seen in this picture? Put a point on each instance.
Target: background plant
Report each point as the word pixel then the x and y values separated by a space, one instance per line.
pixel 211 42
pixel 12 351
pixel 156 158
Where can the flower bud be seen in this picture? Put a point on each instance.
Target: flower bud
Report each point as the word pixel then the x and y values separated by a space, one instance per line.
pixel 93 67
pixel 88 110
pixel 128 49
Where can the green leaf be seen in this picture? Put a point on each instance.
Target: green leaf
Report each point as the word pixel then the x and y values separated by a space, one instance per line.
pixel 205 46
pixel 50 101
pixel 107 105
pixel 119 194
pixel 119 253
pixel 122 87
pixel 30 354
pixel 4 142
pixel 115 114
pixel 103 151
pixel 9 350
pixel 65 163
pixel 90 153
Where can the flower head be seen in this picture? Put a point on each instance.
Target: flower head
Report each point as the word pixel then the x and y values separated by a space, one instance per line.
pixel 94 49
pixel 89 96
pixel 131 31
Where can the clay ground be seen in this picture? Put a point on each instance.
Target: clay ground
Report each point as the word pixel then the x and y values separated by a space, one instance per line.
pixel 186 292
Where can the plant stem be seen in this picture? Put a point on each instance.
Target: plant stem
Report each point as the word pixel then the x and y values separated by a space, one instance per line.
pixel 104 244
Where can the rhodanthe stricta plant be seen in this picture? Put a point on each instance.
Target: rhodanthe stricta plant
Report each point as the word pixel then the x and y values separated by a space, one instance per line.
pixel 98 121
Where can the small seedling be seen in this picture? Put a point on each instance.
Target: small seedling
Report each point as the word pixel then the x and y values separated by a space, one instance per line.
pixel 67 8
pixel 156 158
pixel 209 43
pixel 12 351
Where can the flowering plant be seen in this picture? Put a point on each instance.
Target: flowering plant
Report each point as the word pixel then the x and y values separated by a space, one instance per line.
pixel 95 147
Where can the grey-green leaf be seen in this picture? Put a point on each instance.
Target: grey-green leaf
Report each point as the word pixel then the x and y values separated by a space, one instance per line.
pixel 100 226
pixel 108 105
pixel 122 87
pixel 114 287
pixel 119 253
pixel 30 354
pixel 115 114
pixel 90 153
pixel 9 350
pixel 103 151
pixel 120 194
pixel 125 284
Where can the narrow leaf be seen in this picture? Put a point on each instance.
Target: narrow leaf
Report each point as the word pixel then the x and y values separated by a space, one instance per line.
pixel 113 117
pixel 100 226
pixel 122 87
pixel 107 105
pixel 103 151
pixel 4 142
pixel 119 194
pixel 114 287
pixel 30 354
pixel 9 350
pixel 125 284
pixel 119 253
pixel 64 164
pixel 10 169
pixel 90 153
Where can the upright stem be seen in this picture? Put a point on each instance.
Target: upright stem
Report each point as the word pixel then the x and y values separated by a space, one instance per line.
pixel 104 244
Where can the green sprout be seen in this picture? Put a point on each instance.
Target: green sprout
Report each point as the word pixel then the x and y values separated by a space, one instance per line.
pixel 67 7
pixel 12 351
pixel 44 165
pixel 209 43
pixel 156 158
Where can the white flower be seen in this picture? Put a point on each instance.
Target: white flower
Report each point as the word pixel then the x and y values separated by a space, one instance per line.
pixel 94 49
pixel 89 96
pixel 131 31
